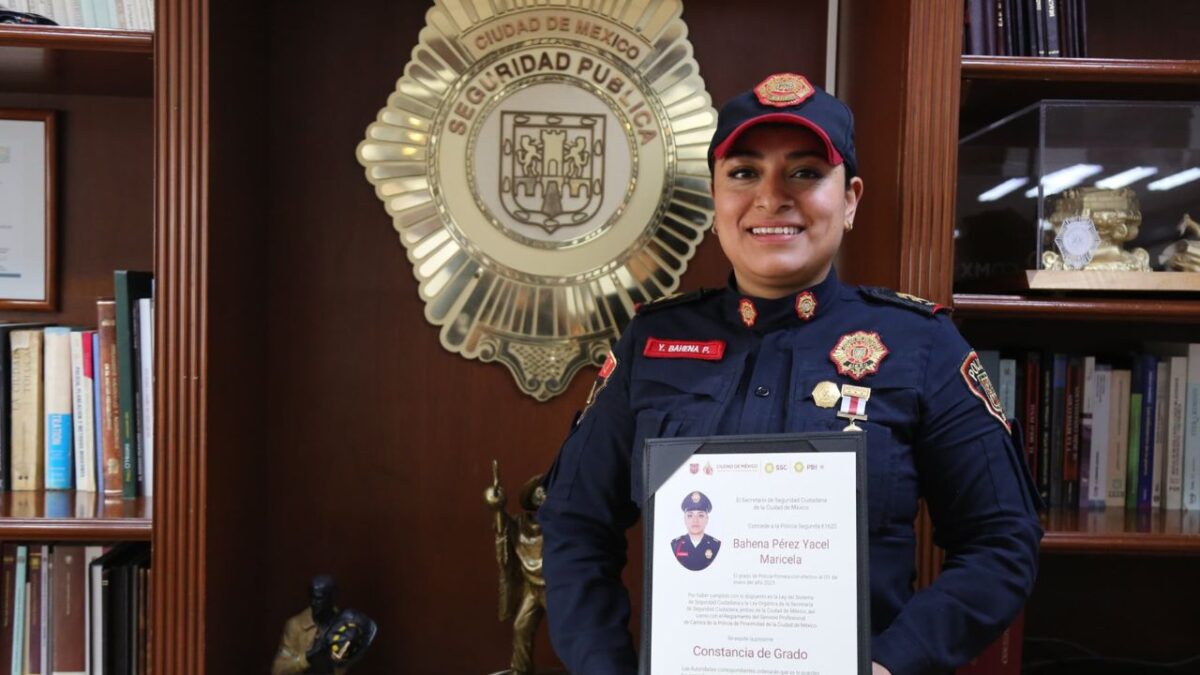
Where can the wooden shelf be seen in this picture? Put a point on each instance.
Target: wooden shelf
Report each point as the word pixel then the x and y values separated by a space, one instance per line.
pixel 73 516
pixel 1079 70
pixel 1120 531
pixel 1148 310
pixel 53 59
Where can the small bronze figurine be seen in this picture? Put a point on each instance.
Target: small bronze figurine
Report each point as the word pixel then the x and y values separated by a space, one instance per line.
pixel 1184 254
pixel 323 640
pixel 519 554
pixel 1116 215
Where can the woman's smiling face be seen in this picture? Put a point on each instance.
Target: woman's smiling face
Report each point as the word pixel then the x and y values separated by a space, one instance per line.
pixel 781 209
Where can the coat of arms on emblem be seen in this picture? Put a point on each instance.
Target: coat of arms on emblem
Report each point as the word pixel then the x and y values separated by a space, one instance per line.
pixel 551 168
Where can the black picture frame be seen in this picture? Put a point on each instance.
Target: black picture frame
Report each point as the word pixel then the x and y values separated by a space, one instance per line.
pixel 664 456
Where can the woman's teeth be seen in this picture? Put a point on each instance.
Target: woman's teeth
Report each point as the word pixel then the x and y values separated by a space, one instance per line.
pixel 775 230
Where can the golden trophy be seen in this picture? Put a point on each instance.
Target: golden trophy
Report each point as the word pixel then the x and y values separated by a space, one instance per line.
pixel 1091 226
pixel 519 555
pixel 1183 255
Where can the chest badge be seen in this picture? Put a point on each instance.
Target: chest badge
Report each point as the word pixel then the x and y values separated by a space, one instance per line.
pixel 748 312
pixel 826 394
pixel 806 305
pixel 854 405
pixel 858 354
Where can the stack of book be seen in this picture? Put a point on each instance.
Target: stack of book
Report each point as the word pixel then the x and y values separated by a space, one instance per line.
pixel 122 14
pixel 76 404
pixel 75 609
pixel 1099 432
pixel 1025 28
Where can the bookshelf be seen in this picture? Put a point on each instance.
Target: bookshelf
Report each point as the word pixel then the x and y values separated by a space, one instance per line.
pixel 88 61
pixel 73 516
pixel 1084 552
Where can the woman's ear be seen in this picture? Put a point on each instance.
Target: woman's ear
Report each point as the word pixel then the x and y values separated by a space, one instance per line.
pixel 853 196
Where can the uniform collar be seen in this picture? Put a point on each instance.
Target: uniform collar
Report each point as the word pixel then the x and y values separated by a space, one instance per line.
pixel 761 314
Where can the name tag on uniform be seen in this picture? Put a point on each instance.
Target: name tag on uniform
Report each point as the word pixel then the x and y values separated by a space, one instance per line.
pixel 711 350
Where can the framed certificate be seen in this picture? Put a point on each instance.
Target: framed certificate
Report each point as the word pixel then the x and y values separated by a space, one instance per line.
pixel 27 200
pixel 756 555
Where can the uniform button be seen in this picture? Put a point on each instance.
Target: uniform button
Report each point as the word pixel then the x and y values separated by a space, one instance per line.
pixel 762 392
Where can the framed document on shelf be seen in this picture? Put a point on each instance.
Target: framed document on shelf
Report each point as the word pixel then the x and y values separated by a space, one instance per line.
pixel 756 555
pixel 27 209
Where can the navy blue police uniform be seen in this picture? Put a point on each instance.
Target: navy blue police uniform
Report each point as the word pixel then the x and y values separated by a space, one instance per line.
pixel 718 362
pixel 740 365
pixel 695 557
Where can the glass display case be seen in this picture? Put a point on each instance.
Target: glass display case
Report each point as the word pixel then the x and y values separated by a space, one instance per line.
pixel 1096 195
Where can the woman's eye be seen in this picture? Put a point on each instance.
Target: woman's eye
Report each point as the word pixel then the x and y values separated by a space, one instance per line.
pixel 742 172
pixel 808 173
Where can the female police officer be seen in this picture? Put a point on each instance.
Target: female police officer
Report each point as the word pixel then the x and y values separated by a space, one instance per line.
pixel 773 350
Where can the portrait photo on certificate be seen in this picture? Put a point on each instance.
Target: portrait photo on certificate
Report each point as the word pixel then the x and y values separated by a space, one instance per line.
pixel 755 555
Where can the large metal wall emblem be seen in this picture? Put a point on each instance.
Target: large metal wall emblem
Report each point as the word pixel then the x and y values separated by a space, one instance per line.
pixel 544 164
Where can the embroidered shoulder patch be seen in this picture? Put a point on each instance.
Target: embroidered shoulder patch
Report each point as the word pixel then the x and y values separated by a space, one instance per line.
pixel 981 386
pixel 888 296
pixel 673 300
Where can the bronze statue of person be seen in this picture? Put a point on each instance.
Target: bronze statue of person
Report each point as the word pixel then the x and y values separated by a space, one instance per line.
pixel 323 640
pixel 519 555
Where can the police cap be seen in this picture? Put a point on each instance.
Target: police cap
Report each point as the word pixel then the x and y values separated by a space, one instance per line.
pixel 788 98
pixel 696 501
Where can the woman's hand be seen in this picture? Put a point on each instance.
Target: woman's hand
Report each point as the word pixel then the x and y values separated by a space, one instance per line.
pixel 877 669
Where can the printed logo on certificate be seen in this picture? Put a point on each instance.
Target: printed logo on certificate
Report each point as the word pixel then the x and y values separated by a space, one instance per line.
pixel 758 563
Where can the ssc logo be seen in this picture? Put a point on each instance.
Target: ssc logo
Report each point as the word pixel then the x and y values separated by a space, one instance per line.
pixel 544 166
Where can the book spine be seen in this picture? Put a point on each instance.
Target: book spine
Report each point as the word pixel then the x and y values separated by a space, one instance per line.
pixel 1191 432
pixel 97 411
pixel 1053 47
pixel 27 440
pixel 5 412
pixel 1145 473
pixel 89 13
pixel 33 639
pixel 1032 409
pixel 1046 426
pixel 93 614
pixel 1118 437
pixel 84 410
pixel 1071 427
pixel 1137 394
pixel 975 42
pixel 1037 23
pixel 146 392
pixel 1086 405
pixel 6 630
pixel 1101 424
pixel 1008 387
pixel 60 445
pixel 129 286
pixel 69 591
pixel 1177 388
pixel 110 418
pixel 1162 407
pixel 1058 424
pixel 19 618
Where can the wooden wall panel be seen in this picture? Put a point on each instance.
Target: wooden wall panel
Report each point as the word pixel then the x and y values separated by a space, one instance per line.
pixel 379 441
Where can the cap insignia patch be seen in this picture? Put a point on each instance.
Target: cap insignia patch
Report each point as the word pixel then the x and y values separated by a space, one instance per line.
pixel 783 90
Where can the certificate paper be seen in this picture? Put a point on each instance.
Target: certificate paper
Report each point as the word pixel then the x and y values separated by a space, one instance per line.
pixel 23 209
pixel 756 557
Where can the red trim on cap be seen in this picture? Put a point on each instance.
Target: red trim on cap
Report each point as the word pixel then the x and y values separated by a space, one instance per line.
pixel 831 152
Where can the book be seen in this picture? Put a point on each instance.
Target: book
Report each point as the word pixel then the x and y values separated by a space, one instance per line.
pixel 20 573
pixel 110 417
pixel 8 556
pixel 27 400
pixel 68 588
pixel 1177 397
pixel 1053 46
pixel 1072 416
pixel 1101 407
pixel 1008 387
pixel 1118 436
pixel 97 412
pixel 146 393
pixel 1191 432
pixel 34 623
pixel 60 445
pixel 1057 423
pixel 129 286
pixel 6 401
pixel 1003 656
pixel 1032 410
pixel 1145 450
pixel 1086 404
pixel 83 410
pixel 93 613
pixel 1162 406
